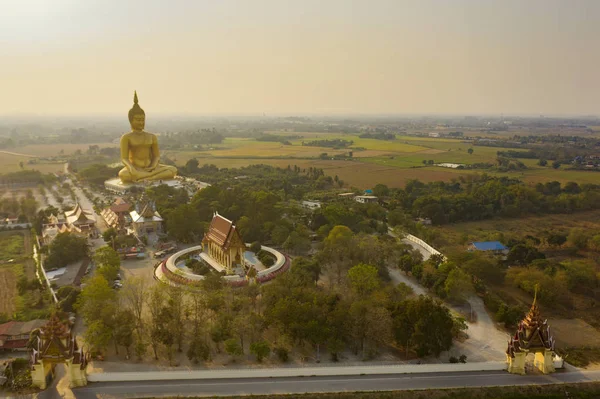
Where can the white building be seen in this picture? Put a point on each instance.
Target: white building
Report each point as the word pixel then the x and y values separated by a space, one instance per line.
pixel 366 199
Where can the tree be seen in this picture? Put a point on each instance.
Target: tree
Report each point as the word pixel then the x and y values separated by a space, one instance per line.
pixel 155 300
pixel 296 243
pixel 470 151
pixel 458 285
pixel 306 269
pixel 97 304
pixel 191 165
pixel 364 279
pixel 109 235
pixel 198 349
pixel 134 294
pixel 542 162
pixel 556 239
pixel 594 242
pixel 370 326
pixel 255 247
pixel 233 347
pixel 578 238
pixel 260 349
pixel 184 223
pixel 424 325
pixel 556 164
pixel 522 254
pixel 405 263
pixel 124 327
pixel 108 262
pixel 381 190
pixel 66 248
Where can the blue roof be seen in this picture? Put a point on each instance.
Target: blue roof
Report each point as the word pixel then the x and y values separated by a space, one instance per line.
pixel 368 191
pixel 489 246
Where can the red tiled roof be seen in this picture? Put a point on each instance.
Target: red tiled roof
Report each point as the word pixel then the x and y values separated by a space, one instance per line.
pixel 221 231
pixel 20 327
pixel 6 327
pixel 120 208
pixel 15 344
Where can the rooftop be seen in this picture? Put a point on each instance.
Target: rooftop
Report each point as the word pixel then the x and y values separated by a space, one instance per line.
pixel 489 246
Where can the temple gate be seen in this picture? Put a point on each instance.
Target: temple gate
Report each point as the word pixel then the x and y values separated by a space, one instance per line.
pixel 55 344
pixel 532 337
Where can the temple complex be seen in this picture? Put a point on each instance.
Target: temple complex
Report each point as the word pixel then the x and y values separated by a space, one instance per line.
pixel 223 243
pixel 55 344
pixel 532 337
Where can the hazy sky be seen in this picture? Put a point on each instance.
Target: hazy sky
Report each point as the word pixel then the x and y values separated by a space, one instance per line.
pixel 300 56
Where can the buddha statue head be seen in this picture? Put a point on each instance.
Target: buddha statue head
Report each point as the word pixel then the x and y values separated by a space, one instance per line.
pixel 137 116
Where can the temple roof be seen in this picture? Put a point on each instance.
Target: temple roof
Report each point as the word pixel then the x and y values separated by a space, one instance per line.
pixel 79 216
pixel 145 211
pixel 222 232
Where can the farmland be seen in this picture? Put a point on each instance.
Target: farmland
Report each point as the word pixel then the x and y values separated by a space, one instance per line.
pixel 13 262
pixel 373 161
pixel 10 159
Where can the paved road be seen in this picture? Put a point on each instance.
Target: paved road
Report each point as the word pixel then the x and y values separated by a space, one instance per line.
pixel 258 386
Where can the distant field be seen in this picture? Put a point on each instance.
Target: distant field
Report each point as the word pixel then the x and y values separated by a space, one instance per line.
pixel 10 158
pixel 387 162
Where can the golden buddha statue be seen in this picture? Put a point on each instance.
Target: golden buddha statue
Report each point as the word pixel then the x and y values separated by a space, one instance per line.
pixel 139 151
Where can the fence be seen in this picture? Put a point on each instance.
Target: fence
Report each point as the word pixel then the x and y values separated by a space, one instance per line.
pixel 37 258
pixel 431 250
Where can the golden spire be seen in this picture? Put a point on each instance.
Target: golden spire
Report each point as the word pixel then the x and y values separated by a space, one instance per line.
pixel 136 109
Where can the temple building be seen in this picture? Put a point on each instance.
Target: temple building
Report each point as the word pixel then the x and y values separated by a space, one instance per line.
pixel 117 215
pixel 55 344
pixel 77 221
pixel 145 219
pixel 532 337
pixel 223 243
pixel 81 219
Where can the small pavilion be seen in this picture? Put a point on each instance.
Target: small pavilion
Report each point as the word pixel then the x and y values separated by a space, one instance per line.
pixel 532 337
pixel 223 243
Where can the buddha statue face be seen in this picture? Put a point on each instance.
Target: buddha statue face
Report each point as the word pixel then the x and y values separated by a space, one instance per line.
pixel 138 122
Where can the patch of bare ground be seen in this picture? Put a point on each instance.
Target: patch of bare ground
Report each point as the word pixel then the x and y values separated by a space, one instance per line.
pixel 574 332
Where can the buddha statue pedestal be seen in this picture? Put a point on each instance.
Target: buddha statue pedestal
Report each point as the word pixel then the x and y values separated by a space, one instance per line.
pixel 117 186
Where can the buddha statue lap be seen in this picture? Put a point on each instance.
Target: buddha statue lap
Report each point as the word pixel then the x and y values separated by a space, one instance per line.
pixel 139 151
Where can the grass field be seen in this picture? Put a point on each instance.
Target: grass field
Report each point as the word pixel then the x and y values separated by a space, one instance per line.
pixel 12 247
